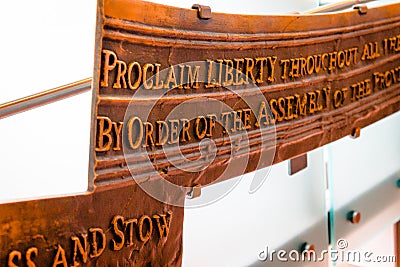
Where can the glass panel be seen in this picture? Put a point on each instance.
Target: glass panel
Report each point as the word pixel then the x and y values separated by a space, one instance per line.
pixel 379 250
pixel 364 175
pixel 285 212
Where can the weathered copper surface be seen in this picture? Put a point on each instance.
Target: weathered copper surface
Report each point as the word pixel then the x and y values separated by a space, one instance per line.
pixel 322 75
pixel 355 85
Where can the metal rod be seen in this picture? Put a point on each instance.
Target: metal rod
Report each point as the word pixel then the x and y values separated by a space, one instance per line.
pixel 337 6
pixel 43 98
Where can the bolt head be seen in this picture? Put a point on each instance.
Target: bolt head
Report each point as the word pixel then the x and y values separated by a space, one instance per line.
pixel 354 217
pixel 307 247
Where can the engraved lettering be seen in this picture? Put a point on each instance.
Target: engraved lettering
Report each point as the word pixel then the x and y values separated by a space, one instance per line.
pixel 281 108
pixel 185 136
pixel 145 237
pixel 158 83
pixel 228 72
pixel 129 229
pixel 289 107
pixel 148 127
pixel 332 60
pixel 146 68
pixel 96 237
pixel 249 70
pixel 211 82
pixel 239 80
pixel 285 64
pixel 211 118
pixel 263 115
pixel 30 254
pixel 138 68
pixel 246 113
pixel 162 133
pixel 193 77
pixel 60 257
pixel 135 142
pixel 201 127
pixel 383 80
pixel 117 126
pixel 171 78
pixel 104 138
pixel 181 75
pixel 370 51
pixel 361 89
pixel 81 249
pixel 109 56
pixel 391 45
pixel 338 98
pixel 273 103
pixel 163 223
pixel 300 106
pixel 119 238
pixel 220 65
pixel 225 121
pixel 237 122
pixel 14 255
pixel 261 62
pixel 295 67
pixel 121 71
pixel 174 130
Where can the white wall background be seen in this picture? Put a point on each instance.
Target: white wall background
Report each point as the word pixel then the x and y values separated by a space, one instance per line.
pixel 45 44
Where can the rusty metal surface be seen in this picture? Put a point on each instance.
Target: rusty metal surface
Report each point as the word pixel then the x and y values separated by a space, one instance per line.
pixel 116 223
pixel 345 94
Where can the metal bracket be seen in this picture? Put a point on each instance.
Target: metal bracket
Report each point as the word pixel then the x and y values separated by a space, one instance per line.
pixel 356 132
pixel 204 12
pixel 194 192
pixel 297 164
pixel 362 9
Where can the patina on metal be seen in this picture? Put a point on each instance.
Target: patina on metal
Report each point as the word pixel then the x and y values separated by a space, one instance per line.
pixel 320 76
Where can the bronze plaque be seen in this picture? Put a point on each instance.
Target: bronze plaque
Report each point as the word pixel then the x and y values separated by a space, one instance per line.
pixel 283 84
pixel 182 100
